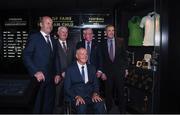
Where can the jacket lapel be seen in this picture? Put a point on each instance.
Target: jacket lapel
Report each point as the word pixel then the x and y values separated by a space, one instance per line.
pixel 44 41
pixel 79 72
pixel 83 44
pixel 89 71
pixel 106 50
pixel 61 49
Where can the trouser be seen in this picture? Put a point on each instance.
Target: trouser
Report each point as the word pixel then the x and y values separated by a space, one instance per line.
pixel 59 98
pixel 112 86
pixel 45 98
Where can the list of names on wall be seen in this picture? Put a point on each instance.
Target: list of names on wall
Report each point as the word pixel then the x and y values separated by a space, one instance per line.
pixel 14 37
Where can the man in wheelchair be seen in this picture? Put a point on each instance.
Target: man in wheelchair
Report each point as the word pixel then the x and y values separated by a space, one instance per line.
pixel 81 85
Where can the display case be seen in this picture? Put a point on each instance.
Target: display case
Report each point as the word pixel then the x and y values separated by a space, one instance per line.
pixel 139 25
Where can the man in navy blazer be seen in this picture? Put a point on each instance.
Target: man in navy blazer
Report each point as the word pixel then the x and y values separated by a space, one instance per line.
pixel 38 57
pixel 95 57
pixel 81 84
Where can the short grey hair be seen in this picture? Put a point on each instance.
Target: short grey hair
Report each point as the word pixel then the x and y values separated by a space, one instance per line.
pixel 62 27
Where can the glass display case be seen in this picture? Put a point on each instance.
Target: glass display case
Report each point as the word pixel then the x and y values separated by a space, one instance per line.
pixel 139 25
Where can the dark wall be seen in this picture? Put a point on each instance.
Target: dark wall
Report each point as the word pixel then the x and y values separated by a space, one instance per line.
pixel 174 54
pixel 8 44
pixel 170 53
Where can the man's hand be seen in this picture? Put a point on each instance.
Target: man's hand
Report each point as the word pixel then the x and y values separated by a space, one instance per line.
pixel 63 74
pixel 39 76
pixel 57 79
pixel 79 100
pixel 126 73
pixel 98 74
pixel 96 98
pixel 103 77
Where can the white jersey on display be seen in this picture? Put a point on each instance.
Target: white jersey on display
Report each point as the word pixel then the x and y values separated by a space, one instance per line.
pixel 152 33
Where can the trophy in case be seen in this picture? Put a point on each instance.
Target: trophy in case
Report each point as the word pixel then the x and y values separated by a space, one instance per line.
pixel 146 63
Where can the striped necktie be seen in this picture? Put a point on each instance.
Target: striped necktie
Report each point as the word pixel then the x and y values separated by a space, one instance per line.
pixel 111 53
pixel 83 73
pixel 64 47
pixel 48 41
pixel 88 51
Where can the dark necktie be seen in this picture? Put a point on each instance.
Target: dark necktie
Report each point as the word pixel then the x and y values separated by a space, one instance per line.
pixel 48 41
pixel 88 51
pixel 111 51
pixel 64 47
pixel 82 73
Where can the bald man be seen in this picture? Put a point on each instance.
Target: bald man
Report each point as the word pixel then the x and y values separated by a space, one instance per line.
pixel 39 56
pixel 81 84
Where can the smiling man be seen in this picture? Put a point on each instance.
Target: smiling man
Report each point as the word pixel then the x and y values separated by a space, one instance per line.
pixel 81 84
pixel 39 56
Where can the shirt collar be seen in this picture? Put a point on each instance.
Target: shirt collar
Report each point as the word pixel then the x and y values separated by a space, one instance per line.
pixel 43 33
pixel 88 41
pixel 61 41
pixel 110 39
pixel 79 65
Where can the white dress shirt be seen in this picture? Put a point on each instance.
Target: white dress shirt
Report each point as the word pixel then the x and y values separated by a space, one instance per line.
pixel 44 35
pixel 89 44
pixel 113 42
pixel 61 42
pixel 85 71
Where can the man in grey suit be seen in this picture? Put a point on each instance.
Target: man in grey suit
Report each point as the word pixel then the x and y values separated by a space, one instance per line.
pixel 64 57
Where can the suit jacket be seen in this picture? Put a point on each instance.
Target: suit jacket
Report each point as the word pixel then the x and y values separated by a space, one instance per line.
pixel 74 84
pixel 63 60
pixel 120 63
pixel 38 56
pixel 95 56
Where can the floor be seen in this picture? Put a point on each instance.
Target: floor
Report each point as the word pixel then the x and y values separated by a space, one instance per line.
pixel 19 102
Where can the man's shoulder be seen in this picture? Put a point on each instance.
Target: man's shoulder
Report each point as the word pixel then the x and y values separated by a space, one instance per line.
pixel 120 41
pixel 95 42
pixel 103 42
pixel 90 66
pixel 72 66
pixel 71 43
pixel 80 44
pixel 34 35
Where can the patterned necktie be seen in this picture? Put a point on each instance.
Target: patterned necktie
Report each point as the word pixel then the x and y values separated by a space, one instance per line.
pixel 82 73
pixel 48 41
pixel 88 51
pixel 64 47
pixel 111 56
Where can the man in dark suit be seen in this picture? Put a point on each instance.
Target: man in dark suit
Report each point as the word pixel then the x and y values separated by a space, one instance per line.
pixel 65 56
pixel 93 49
pixel 81 84
pixel 39 56
pixel 115 67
